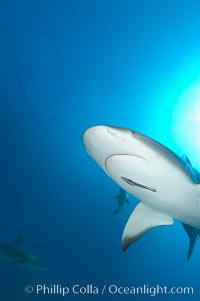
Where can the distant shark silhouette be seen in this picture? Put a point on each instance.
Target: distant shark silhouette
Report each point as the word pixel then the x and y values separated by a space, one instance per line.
pixel 122 199
pixel 16 254
pixel 166 184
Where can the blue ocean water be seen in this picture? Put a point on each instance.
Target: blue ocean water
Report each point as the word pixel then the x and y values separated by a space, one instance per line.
pixel 68 65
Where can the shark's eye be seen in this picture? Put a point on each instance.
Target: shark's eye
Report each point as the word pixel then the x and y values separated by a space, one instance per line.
pixel 132 133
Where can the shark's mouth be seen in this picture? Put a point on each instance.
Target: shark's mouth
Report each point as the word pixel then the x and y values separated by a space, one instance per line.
pixel 134 170
pixel 120 155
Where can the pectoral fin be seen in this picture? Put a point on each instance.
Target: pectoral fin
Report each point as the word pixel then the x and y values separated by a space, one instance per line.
pixel 141 220
pixel 193 234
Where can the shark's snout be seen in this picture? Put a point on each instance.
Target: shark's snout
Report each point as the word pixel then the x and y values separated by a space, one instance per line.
pixel 94 135
pixel 96 141
pixel 101 141
pixel 89 137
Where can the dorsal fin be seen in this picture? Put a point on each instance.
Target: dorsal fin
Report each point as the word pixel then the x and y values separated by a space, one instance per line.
pixel 193 235
pixel 192 172
pixel 18 241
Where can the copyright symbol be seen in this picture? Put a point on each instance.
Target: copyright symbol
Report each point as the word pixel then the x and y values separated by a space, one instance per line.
pixel 29 289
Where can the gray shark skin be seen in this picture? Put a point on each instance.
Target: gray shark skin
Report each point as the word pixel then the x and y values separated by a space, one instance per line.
pixel 122 199
pixel 166 185
pixel 16 254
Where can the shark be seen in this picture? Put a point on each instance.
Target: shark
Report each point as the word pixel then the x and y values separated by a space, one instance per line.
pixel 166 185
pixel 122 198
pixel 15 253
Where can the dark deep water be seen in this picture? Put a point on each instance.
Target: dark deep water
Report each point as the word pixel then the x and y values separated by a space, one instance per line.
pixel 68 65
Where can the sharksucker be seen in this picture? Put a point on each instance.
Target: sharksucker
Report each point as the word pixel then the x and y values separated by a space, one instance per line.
pixel 131 182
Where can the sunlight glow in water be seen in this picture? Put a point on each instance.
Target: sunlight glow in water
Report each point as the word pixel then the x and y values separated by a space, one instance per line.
pixel 186 121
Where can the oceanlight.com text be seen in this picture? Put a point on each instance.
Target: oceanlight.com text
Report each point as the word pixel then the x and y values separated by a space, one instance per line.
pixel 111 289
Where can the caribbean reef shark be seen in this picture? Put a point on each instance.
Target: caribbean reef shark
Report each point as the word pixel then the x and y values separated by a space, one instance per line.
pixel 16 254
pixel 166 185
pixel 122 199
